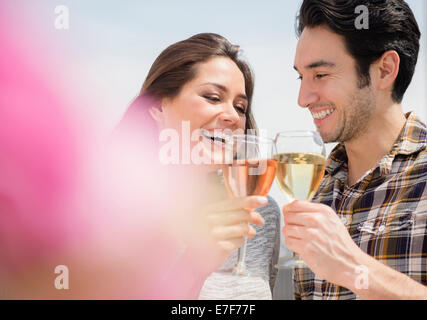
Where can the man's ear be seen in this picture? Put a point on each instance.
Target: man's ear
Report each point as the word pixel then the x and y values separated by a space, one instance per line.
pixel 388 69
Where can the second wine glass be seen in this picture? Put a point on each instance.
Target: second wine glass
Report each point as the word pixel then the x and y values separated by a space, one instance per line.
pixel 301 158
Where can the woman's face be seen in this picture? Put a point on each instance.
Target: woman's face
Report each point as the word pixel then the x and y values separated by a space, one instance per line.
pixel 215 101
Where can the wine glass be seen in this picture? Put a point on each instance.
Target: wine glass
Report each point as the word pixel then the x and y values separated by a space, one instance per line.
pixel 248 170
pixel 301 162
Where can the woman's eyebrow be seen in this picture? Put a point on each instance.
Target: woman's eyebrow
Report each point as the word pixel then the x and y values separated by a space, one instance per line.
pixel 224 89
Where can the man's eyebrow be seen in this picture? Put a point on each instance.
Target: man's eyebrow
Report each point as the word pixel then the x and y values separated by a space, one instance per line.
pixel 317 64
pixel 224 89
pixel 320 63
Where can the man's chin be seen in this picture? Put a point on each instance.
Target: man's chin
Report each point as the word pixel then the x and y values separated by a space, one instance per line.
pixel 328 137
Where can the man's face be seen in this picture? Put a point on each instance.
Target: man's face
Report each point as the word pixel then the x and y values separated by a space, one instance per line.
pixel 329 86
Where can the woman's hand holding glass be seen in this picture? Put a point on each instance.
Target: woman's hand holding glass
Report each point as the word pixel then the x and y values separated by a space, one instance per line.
pixel 222 230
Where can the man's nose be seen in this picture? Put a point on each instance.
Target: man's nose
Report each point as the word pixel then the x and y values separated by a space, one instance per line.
pixel 307 94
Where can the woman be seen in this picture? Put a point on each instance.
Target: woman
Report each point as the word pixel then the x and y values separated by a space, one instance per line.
pixel 123 225
pixel 201 85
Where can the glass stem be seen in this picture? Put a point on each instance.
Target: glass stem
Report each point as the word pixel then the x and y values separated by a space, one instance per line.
pixel 242 254
pixel 240 268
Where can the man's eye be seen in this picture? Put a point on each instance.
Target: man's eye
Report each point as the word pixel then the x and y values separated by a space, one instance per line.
pixel 299 78
pixel 212 98
pixel 320 76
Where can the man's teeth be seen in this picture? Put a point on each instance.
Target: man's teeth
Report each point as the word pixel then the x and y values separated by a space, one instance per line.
pixel 322 115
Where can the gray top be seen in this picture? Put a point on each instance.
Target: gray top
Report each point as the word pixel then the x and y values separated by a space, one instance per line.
pixel 261 257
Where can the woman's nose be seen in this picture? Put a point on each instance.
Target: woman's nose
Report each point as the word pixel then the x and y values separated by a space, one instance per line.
pixel 229 114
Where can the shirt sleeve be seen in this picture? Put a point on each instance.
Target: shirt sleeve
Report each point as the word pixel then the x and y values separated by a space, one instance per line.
pixel 274 210
pixel 297 292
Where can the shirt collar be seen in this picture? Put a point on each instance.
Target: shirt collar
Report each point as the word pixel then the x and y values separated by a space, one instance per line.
pixel 337 159
pixel 412 139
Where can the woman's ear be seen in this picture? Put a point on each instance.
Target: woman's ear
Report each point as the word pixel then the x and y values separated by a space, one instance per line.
pixel 157 114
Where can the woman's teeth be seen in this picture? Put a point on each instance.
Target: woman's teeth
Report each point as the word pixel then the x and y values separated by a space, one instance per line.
pixel 218 138
pixel 322 115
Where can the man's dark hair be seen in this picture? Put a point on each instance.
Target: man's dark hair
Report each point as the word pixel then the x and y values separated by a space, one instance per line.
pixel 392 26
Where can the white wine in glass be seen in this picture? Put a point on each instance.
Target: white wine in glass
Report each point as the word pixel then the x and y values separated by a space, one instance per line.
pixel 250 172
pixel 299 174
pixel 301 165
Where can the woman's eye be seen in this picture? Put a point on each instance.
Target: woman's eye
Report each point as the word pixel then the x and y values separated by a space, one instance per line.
pixel 212 98
pixel 240 109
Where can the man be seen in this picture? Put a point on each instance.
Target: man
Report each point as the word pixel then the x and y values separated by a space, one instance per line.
pixel 364 234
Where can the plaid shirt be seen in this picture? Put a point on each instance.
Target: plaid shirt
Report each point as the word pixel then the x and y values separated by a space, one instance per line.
pixel 385 212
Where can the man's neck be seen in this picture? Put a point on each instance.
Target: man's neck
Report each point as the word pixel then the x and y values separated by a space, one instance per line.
pixel 368 148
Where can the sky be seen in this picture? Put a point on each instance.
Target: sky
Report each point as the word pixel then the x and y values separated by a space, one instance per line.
pixel 113 44
pixel 110 46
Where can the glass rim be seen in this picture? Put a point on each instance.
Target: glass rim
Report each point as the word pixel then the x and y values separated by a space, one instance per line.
pixel 285 132
pixel 245 137
pixel 297 133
